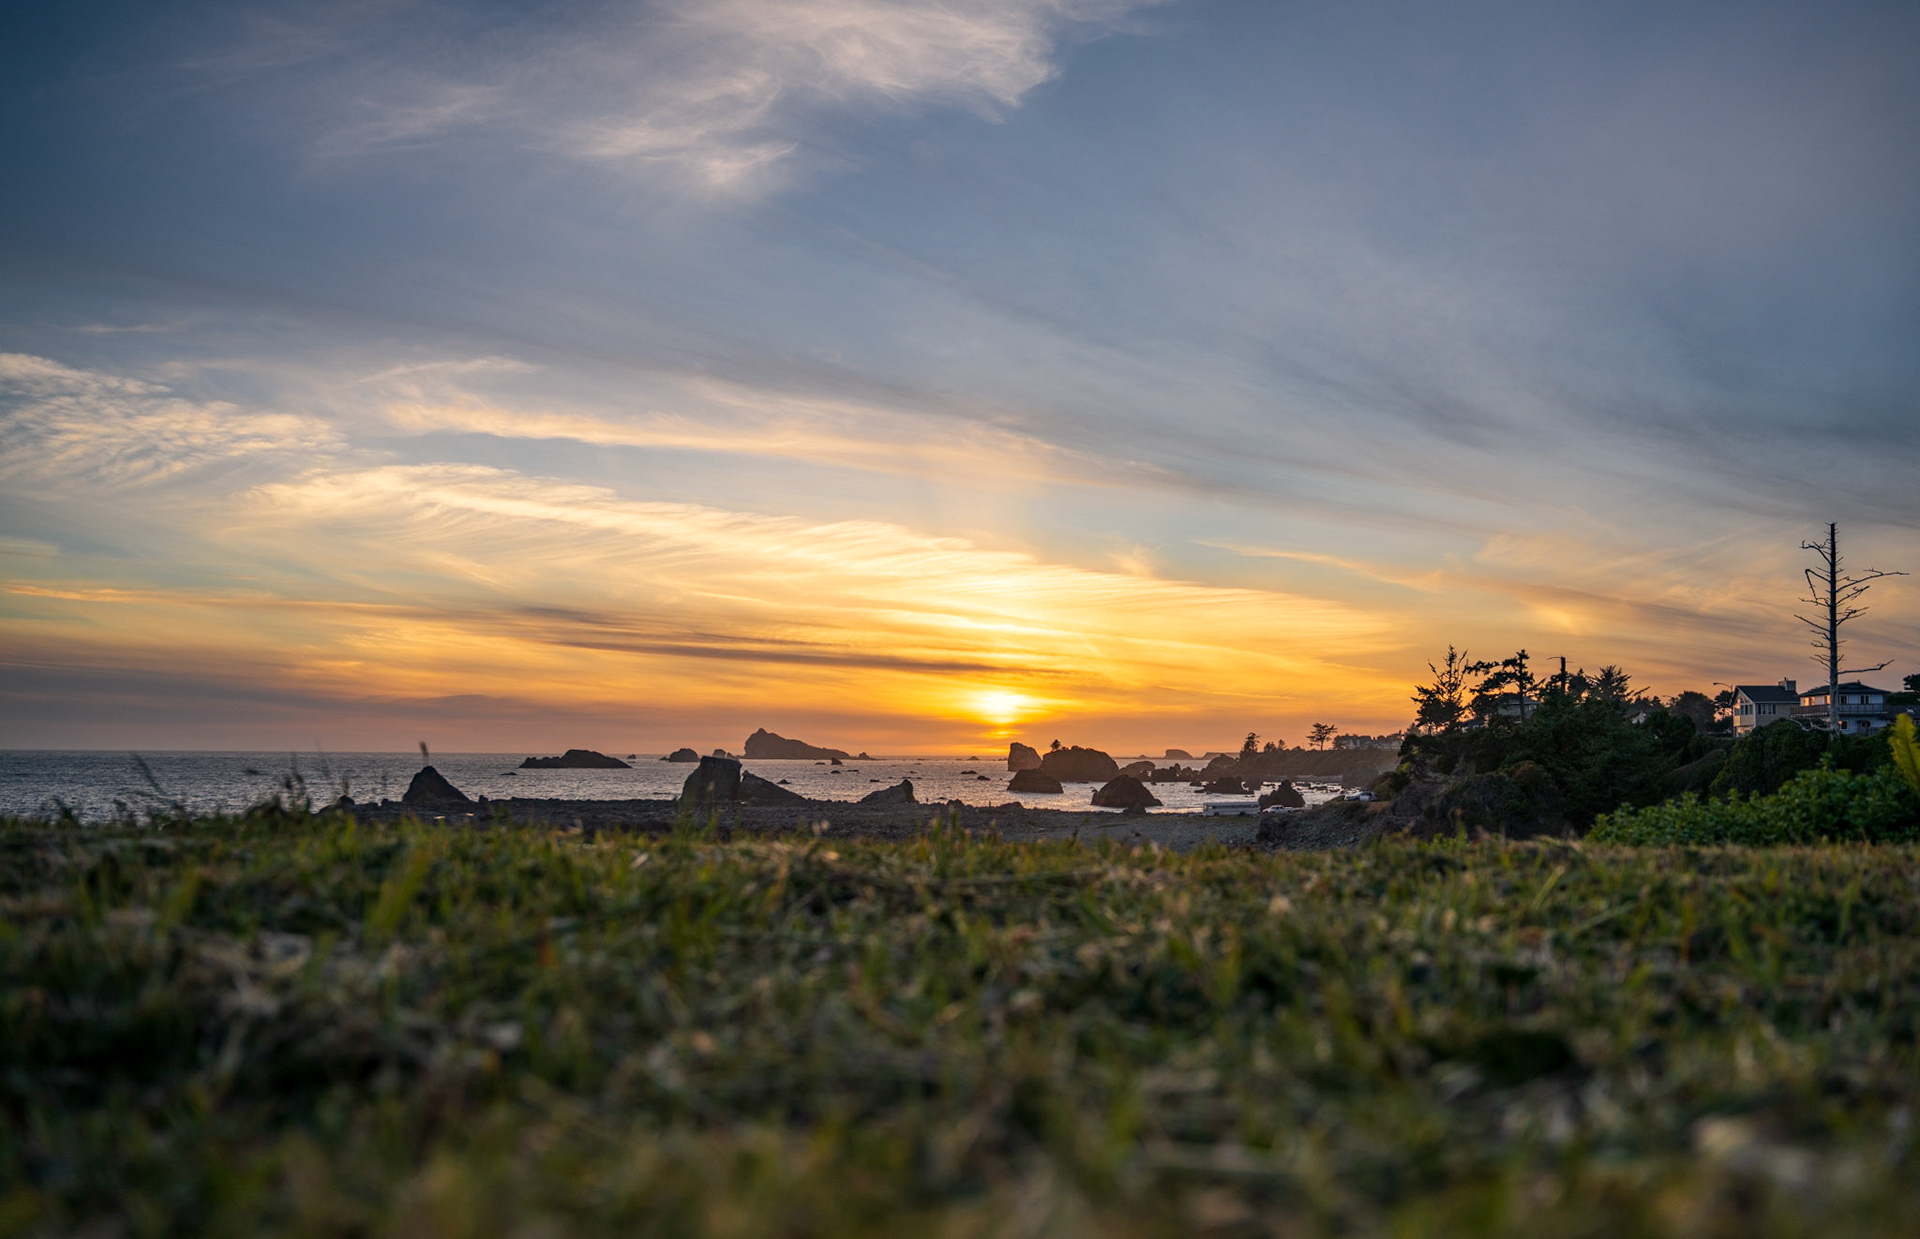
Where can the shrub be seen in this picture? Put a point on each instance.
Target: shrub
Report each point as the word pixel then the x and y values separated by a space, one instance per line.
pixel 1904 751
pixel 1767 757
pixel 1819 804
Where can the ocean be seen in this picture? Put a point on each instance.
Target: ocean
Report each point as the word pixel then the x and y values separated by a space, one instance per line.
pixel 103 786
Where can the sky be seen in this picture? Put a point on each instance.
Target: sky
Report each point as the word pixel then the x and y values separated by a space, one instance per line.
pixel 917 376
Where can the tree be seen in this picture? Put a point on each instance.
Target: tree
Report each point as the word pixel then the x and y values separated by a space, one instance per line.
pixel 1442 704
pixel 1612 684
pixel 1054 747
pixel 1509 676
pixel 1702 709
pixel 1319 734
pixel 1250 746
pixel 1832 589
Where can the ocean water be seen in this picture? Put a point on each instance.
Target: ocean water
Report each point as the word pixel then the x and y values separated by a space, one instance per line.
pixel 103 786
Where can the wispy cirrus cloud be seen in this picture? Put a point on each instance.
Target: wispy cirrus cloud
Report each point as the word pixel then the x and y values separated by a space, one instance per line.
pixel 60 423
pixel 712 97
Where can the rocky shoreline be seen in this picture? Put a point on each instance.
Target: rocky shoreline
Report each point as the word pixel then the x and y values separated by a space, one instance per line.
pixel 1329 826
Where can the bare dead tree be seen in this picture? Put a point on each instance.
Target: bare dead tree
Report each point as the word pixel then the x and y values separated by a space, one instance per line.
pixel 1834 590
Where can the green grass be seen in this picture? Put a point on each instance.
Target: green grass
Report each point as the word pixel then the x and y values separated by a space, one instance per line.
pixel 304 1026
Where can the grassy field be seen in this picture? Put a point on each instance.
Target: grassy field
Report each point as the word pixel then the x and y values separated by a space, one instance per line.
pixel 305 1026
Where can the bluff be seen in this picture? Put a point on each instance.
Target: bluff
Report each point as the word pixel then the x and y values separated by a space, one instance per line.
pixel 1022 757
pixel 763 745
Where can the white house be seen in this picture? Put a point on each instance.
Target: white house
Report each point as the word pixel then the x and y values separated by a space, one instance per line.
pixel 1863 708
pixel 1756 705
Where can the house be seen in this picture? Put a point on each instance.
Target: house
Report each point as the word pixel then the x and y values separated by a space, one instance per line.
pixel 1369 742
pixel 1756 705
pixel 1863 708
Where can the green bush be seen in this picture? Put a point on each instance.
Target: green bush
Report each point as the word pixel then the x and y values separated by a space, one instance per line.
pixel 1767 757
pixel 1820 804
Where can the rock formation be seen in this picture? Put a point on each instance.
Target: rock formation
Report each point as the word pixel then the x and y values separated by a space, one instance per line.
pixel 763 745
pixel 1125 792
pixel 430 787
pixel 1078 765
pixel 1226 783
pixel 1034 780
pixel 715 782
pixel 686 755
pixel 1179 755
pixel 1022 757
pixel 899 793
pixel 575 759
pixel 1287 796
pixel 756 790
pixel 1138 769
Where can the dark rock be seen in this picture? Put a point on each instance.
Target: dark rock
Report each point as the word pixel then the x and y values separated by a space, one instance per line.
pixel 1125 792
pixel 838 762
pixel 430 787
pixel 345 804
pixel 575 759
pixel 1022 757
pixel 1138 769
pixel 1178 755
pixel 1227 784
pixel 1286 796
pixel 686 755
pixel 715 782
pixel 899 793
pixel 756 790
pixel 861 757
pixel 1078 765
pixel 981 778
pixel 1034 780
pixel 763 745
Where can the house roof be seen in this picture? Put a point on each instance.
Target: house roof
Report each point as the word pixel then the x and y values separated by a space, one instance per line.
pixel 1851 686
pixel 1759 693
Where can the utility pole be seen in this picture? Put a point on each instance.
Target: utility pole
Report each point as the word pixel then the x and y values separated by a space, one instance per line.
pixel 1830 588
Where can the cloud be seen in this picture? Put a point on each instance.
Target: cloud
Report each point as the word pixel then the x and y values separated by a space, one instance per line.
pixel 61 424
pixel 711 97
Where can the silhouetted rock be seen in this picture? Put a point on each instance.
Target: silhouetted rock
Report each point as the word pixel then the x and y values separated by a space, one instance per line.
pixel 686 755
pixel 1227 784
pixel 899 793
pixel 1078 765
pixel 1125 792
pixel 1178 755
pixel 1138 769
pixel 1286 796
pixel 1022 757
pixel 763 745
pixel 716 781
pixel 723 754
pixel 430 787
pixel 756 790
pixel 575 759
pixel 1033 780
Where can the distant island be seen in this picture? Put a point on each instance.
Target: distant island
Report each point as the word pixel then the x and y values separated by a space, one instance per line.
pixel 764 745
pixel 575 759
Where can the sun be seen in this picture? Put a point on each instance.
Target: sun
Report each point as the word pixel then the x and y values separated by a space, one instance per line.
pixel 1001 706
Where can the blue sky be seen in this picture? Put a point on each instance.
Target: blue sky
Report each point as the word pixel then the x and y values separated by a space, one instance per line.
pixel 1159 371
